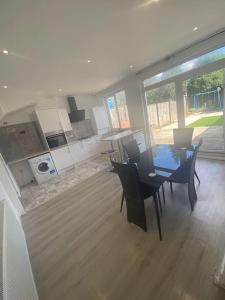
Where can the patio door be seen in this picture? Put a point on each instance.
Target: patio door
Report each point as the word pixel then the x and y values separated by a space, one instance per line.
pixel 161 113
pixel 204 109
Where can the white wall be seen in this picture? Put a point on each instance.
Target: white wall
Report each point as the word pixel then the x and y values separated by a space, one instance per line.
pixel 18 281
pixel 9 190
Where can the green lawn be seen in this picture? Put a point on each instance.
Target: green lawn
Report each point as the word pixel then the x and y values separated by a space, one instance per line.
pixel 207 121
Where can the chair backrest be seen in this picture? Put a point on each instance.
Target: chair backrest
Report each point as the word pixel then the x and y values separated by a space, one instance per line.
pixel 182 137
pixel 132 151
pixel 129 179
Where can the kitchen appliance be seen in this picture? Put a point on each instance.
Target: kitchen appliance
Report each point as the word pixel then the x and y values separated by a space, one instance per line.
pixel 100 120
pixel 43 167
pixel 56 140
pixel 75 114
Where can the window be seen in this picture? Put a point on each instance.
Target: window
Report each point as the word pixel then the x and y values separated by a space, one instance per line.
pixel 200 61
pixel 117 108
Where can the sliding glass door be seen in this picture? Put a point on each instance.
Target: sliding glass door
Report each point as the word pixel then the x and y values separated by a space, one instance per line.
pixel 204 109
pixel 162 113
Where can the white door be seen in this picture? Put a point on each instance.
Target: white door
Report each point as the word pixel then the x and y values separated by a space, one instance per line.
pixel 49 120
pixel 62 159
pixel 64 119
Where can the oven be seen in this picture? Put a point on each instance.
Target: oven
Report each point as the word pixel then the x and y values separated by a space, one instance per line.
pixel 56 140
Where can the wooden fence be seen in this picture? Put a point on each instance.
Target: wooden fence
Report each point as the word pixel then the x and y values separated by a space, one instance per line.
pixel 163 113
pixel 159 114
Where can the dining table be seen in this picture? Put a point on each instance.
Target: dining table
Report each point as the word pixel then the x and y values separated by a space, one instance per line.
pixel 158 163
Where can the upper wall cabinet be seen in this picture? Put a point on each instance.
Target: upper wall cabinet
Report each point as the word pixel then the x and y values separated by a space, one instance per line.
pixel 53 119
pixel 64 119
pixel 49 120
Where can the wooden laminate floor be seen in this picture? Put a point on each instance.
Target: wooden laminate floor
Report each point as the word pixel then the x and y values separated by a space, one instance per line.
pixel 82 248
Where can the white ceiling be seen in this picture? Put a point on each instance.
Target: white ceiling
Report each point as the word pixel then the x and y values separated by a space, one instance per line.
pixel 50 41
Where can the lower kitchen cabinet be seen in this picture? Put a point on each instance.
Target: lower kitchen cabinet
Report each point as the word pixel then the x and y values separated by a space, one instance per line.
pixel 62 159
pixel 85 149
pixel 78 152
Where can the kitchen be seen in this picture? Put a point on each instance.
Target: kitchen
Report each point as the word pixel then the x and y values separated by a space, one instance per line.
pixel 57 147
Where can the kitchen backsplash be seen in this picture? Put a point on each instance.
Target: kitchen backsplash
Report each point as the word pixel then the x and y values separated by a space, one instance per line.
pixel 83 129
pixel 20 140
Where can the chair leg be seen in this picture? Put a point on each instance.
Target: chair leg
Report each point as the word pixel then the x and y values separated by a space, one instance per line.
pixel 196 175
pixel 171 187
pixel 157 215
pixel 163 192
pixel 190 196
pixel 160 204
pixel 122 200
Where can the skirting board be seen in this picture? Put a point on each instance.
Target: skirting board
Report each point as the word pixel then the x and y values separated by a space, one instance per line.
pixel 219 278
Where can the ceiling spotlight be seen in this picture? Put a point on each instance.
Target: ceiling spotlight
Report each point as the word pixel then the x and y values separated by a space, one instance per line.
pixel 89 61
pixel 195 28
pixel 60 90
pixel 5 86
pixel 131 66
pixel 4 51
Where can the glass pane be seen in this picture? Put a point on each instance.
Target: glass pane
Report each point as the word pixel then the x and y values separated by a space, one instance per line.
pixel 122 109
pixel 203 96
pixel 187 66
pixel 162 113
pixel 113 112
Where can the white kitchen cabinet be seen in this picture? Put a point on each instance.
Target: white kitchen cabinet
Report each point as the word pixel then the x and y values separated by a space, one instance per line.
pixel 64 119
pixel 85 149
pixel 140 138
pixel 49 120
pixel 78 152
pixel 62 159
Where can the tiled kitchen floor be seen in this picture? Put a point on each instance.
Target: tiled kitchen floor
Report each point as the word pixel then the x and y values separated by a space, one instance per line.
pixel 34 195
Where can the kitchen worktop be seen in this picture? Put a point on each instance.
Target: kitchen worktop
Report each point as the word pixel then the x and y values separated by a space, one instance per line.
pixel 27 157
pixel 120 135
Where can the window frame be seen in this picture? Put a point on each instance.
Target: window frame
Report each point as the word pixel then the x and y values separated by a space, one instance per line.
pixel 113 95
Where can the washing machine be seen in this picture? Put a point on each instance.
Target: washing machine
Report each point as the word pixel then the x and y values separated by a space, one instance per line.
pixel 43 167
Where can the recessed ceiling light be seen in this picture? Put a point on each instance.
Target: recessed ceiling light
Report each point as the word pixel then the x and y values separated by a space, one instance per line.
pixel 5 86
pixel 89 61
pixel 60 90
pixel 131 66
pixel 195 28
pixel 4 51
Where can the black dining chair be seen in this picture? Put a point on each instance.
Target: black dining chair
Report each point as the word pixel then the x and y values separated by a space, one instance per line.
pixel 135 193
pixel 185 174
pixel 132 150
pixel 115 157
pixel 133 154
pixel 183 139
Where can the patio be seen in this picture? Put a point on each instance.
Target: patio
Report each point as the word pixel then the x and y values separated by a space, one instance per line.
pixel 213 136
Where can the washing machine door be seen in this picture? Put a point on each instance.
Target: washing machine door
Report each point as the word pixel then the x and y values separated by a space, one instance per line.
pixel 43 167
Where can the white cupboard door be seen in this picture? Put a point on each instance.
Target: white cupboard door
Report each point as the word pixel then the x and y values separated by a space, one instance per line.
pixel 64 119
pixel 62 159
pixel 49 120
pixel 140 138
pixel 76 152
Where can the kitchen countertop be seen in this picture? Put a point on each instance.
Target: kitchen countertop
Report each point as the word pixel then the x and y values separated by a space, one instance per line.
pixel 27 157
pixel 120 135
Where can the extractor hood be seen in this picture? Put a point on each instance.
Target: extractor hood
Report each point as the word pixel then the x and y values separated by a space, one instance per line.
pixel 75 114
